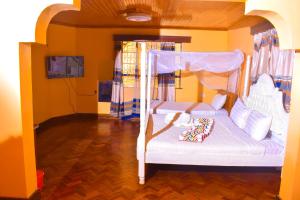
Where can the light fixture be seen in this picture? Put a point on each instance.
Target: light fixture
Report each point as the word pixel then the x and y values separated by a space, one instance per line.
pixel 137 17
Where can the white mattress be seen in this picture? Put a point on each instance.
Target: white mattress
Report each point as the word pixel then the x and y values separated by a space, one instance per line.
pixel 227 145
pixel 165 107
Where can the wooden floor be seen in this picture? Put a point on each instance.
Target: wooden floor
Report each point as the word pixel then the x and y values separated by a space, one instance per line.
pixel 96 159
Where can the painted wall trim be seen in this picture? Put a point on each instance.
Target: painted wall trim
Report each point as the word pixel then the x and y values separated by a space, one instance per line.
pixel 159 38
pixel 144 27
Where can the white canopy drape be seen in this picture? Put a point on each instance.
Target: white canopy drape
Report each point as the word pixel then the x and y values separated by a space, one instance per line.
pixel 217 62
pixel 163 62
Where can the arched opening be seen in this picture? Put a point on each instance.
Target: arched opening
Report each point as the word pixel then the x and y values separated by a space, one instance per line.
pixel 26 63
pixel 27 135
pixel 286 31
pixel 76 35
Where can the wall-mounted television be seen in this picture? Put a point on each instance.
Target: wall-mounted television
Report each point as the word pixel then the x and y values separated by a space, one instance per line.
pixel 65 66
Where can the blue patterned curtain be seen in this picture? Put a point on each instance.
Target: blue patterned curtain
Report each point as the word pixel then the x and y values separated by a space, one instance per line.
pixel 132 108
pixel 136 98
pixel 268 58
pixel 117 97
pixel 166 82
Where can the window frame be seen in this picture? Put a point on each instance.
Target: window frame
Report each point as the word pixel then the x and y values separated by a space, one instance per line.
pixel 127 83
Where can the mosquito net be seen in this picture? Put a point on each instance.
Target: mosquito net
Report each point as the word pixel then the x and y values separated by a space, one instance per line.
pixel 211 64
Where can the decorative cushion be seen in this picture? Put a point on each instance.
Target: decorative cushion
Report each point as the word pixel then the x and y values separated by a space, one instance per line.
pixel 240 113
pixel 218 101
pixel 199 131
pixel 258 125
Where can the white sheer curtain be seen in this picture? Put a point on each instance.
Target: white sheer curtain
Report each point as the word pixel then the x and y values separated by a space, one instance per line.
pixel 117 97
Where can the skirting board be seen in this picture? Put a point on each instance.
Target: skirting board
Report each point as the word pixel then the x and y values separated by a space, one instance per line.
pixel 35 196
pixel 66 118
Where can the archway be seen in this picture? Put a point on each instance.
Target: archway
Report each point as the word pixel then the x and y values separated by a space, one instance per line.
pixel 26 81
pixel 281 15
pixel 18 101
pixel 18 170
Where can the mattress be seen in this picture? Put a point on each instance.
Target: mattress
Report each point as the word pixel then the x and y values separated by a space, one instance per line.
pixel 165 107
pixel 226 145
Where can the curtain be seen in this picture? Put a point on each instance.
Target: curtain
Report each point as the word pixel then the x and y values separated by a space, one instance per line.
pixel 268 58
pixel 166 82
pixel 136 95
pixel 117 97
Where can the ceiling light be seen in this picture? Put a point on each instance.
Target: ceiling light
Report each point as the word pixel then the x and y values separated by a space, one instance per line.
pixel 138 17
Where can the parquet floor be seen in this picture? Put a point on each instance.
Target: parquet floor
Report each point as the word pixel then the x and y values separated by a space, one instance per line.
pixel 96 160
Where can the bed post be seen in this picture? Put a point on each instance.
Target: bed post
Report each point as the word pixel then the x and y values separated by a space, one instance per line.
pixel 141 145
pixel 149 76
pixel 246 80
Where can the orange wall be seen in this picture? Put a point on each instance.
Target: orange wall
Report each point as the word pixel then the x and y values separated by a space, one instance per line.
pixel 98 45
pixel 241 38
pixel 17 156
pixel 15 163
pixel 56 97
pixel 53 97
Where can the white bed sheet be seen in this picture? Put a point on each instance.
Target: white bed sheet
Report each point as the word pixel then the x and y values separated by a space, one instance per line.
pixel 165 107
pixel 227 145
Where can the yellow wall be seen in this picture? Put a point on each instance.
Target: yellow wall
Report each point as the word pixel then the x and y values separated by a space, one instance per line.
pixel 241 38
pixel 53 97
pixel 17 156
pixel 57 97
pixel 16 173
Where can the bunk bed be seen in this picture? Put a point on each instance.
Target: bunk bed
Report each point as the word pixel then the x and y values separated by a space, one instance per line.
pixel 227 145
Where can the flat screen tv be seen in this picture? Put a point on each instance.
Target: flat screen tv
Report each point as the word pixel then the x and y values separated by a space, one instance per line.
pixel 65 66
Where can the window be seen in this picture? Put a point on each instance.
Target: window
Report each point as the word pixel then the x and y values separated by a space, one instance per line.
pixel 129 60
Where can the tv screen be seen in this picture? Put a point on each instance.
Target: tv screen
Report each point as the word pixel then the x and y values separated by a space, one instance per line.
pixel 65 66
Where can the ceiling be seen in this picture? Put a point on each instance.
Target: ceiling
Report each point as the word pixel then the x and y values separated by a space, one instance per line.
pixel 194 14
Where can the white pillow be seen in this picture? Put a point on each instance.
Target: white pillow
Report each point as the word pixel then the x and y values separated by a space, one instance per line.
pixel 240 113
pixel 218 101
pixel 258 125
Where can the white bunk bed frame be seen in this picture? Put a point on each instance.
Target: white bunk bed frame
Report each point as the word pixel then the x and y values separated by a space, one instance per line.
pixel 263 97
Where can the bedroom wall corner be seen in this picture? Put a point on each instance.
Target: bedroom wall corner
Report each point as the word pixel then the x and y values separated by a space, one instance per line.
pixel 96 45
pixel 53 97
pixel 241 38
